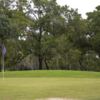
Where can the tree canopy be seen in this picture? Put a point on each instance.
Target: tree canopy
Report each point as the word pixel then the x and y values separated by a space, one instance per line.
pixel 40 34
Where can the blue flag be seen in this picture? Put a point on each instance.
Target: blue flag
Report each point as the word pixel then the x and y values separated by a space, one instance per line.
pixel 3 50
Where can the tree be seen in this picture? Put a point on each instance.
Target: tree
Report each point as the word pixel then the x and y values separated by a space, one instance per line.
pixel 94 19
pixel 76 33
pixel 13 25
pixel 44 14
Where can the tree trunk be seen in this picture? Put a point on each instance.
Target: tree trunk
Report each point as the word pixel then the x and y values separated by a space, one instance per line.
pixel 40 62
pixel 40 58
pixel 46 64
pixel 80 61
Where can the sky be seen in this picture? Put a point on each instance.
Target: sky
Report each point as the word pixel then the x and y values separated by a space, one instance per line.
pixel 83 6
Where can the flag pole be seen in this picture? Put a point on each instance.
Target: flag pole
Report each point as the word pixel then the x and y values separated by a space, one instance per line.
pixel 3 58
pixel 3 66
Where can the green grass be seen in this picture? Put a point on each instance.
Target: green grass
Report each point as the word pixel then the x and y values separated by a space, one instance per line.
pixel 51 73
pixel 29 85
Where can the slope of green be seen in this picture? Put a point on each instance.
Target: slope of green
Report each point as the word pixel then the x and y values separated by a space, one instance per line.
pixel 51 73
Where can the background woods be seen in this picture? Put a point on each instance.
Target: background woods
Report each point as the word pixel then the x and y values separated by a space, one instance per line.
pixel 40 34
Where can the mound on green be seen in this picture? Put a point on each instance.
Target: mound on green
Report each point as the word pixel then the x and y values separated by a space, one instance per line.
pixel 51 73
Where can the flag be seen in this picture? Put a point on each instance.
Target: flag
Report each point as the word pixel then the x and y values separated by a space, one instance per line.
pixel 3 50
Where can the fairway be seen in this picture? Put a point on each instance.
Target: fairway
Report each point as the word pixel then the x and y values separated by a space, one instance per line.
pixel 32 85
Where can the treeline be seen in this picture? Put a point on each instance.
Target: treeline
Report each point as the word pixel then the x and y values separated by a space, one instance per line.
pixel 40 34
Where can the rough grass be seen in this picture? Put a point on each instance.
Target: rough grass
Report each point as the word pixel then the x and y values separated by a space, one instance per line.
pixel 31 85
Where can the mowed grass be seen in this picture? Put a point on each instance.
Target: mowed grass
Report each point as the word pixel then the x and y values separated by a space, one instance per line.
pixel 51 73
pixel 30 85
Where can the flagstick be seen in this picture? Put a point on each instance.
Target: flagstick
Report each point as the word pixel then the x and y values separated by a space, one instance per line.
pixel 3 66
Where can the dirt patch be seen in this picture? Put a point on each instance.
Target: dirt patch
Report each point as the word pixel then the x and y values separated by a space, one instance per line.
pixel 56 99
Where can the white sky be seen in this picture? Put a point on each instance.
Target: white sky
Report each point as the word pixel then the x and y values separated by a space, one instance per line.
pixel 83 6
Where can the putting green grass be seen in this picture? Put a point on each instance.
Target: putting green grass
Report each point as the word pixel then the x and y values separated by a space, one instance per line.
pixel 51 73
pixel 30 85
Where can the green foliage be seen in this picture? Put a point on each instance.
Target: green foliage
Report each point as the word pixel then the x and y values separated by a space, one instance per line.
pixel 94 19
pixel 56 36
